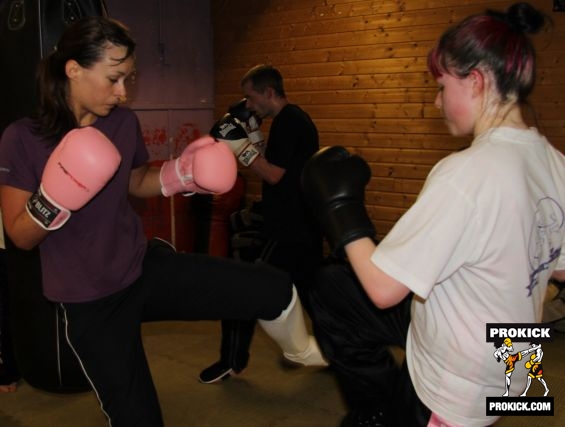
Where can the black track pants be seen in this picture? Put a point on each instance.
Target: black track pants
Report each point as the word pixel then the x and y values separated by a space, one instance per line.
pixel 355 336
pixel 106 334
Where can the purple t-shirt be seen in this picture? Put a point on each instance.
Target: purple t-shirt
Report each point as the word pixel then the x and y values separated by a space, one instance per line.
pixel 100 249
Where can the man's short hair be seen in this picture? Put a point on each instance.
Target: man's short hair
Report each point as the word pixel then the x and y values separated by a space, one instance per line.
pixel 264 76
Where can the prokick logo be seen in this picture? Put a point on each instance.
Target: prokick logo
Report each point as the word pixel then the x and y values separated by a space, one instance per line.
pixel 504 336
pixel 526 332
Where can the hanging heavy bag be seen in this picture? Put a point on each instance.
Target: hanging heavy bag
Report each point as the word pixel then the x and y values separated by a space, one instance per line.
pixel 29 29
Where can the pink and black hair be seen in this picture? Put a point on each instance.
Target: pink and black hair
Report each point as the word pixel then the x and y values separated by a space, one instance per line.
pixel 494 41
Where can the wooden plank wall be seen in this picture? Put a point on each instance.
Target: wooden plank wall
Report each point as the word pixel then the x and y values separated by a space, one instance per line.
pixel 359 69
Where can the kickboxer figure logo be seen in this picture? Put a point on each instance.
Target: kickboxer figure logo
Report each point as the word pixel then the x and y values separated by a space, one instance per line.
pixel 503 353
pixel 535 369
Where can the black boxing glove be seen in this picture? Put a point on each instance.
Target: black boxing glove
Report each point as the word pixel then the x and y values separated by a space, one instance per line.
pixel 230 131
pixel 240 111
pixel 333 182
pixel 250 122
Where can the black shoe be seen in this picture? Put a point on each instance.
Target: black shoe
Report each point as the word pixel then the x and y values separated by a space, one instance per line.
pixel 216 372
pixel 364 418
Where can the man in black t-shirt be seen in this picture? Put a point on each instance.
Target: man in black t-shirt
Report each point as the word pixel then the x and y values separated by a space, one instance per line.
pixel 292 241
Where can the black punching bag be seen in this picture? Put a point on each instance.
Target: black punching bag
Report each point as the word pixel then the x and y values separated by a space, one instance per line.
pixel 43 357
pixel 29 29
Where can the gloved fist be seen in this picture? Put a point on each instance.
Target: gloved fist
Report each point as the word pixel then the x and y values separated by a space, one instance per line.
pixel 333 182
pixel 250 122
pixel 230 131
pixel 79 167
pixel 205 166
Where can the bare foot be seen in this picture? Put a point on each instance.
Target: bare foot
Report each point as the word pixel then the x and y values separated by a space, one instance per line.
pixel 9 388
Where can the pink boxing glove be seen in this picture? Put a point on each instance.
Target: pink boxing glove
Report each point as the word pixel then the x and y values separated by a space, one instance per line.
pixel 205 166
pixel 79 167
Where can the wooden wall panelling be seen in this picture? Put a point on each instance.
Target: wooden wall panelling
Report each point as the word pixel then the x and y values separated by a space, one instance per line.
pixel 359 69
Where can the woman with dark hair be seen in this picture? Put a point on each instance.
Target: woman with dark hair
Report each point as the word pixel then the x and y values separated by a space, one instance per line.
pixel 477 247
pixel 65 178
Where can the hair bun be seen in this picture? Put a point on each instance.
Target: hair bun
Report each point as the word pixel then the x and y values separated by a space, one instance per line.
pixel 525 18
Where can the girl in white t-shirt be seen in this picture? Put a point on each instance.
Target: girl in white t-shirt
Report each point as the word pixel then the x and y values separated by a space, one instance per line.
pixel 478 246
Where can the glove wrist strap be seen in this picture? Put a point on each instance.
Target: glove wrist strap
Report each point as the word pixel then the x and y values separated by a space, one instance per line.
pixel 45 211
pixel 248 155
pixel 347 223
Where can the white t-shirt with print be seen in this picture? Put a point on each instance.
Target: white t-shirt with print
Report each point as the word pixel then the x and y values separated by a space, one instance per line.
pixel 477 247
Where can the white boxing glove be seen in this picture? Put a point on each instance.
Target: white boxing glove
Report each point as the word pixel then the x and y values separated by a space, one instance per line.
pixel 229 130
pixel 250 122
